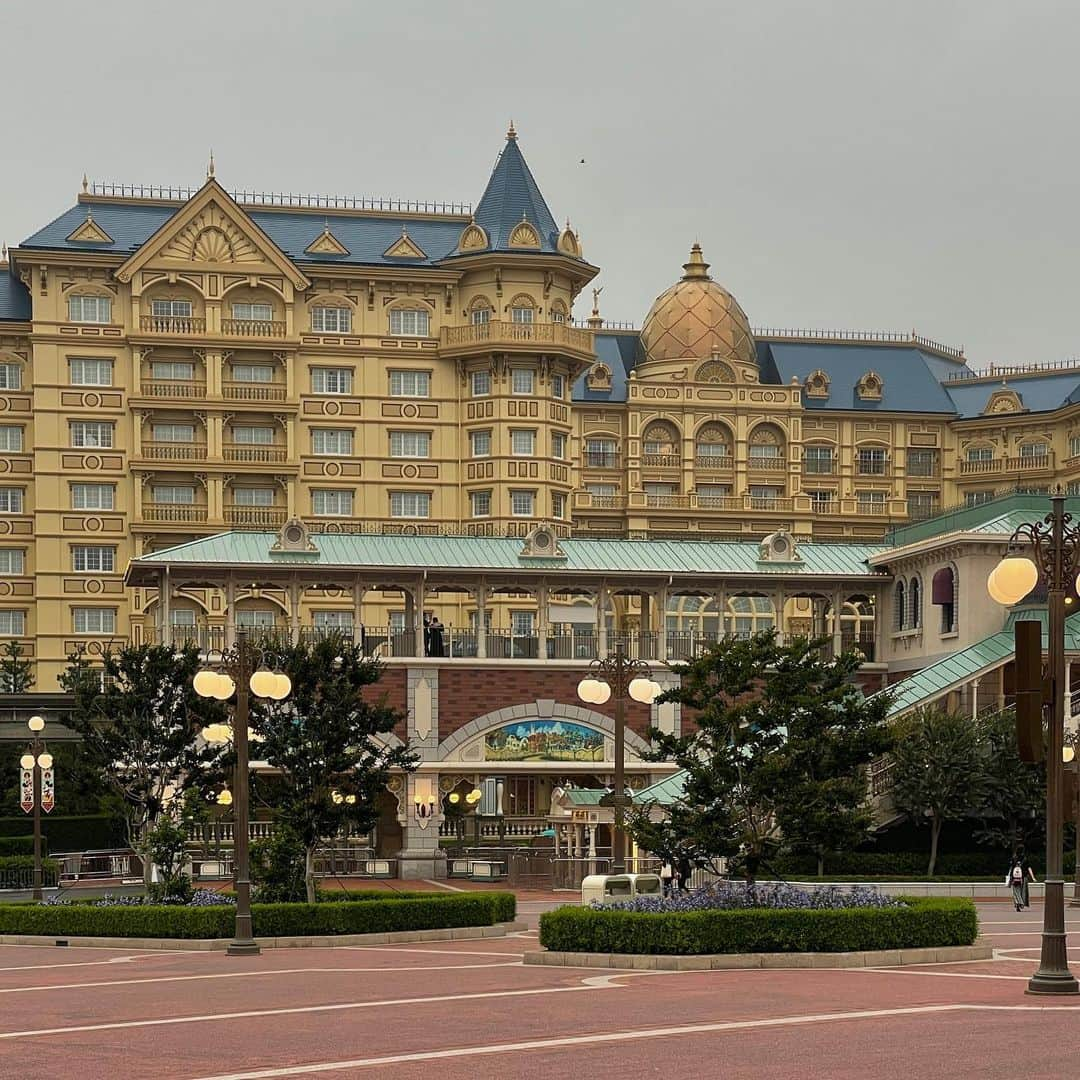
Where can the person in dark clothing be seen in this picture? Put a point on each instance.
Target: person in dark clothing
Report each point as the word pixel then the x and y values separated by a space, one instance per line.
pixel 427 634
pixel 436 645
pixel 685 870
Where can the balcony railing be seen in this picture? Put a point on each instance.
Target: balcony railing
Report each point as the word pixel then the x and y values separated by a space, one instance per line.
pixel 870 468
pixel 174 451
pixel 769 502
pixel 720 502
pixel 981 465
pixel 874 509
pixel 601 459
pixel 767 464
pixel 255 517
pixel 248 391
pixel 587 500
pixel 499 332
pixel 172 324
pixel 1030 463
pixel 922 468
pixel 666 461
pixel 667 502
pixel 817 467
pixel 246 453
pixel 261 328
pixel 174 513
pixel 714 462
pixel 159 388
pixel 824 506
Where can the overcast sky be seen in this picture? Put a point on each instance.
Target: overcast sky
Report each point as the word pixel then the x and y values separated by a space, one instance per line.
pixel 855 163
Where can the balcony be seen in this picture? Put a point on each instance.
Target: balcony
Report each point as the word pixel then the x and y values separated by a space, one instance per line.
pixel 174 451
pixel 246 454
pixel 1030 463
pixel 663 461
pixel 723 463
pixel 528 337
pixel 667 502
pixel 601 459
pixel 588 500
pixel 174 391
pixel 249 391
pixel 818 467
pixel 174 514
pixel 762 502
pixel 981 466
pixel 720 502
pixel 871 468
pixel 874 509
pixel 778 463
pixel 255 517
pixel 172 325
pixel 253 328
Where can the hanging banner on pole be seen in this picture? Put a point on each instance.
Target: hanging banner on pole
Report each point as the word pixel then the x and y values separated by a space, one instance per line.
pixel 26 790
pixel 48 790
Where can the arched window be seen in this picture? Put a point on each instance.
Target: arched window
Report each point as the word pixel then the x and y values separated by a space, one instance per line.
pixel 480 311
pixel 766 447
pixel 943 595
pixel 713 445
pixel 914 620
pixel 900 612
pixel 660 444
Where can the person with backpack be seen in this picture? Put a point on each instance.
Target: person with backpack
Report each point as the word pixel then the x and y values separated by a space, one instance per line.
pixel 667 877
pixel 1019 874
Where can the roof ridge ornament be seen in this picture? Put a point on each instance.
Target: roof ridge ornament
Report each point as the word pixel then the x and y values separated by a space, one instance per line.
pixel 210 168
pixel 541 542
pixel 696 268
pixel 511 133
pixel 85 184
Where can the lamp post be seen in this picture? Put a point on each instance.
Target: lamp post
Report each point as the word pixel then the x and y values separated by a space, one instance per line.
pixel 622 677
pixel 1054 546
pixel 37 761
pixel 238 677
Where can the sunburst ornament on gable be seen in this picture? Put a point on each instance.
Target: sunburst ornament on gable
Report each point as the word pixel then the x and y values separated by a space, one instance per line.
pixel 524 234
pixel 473 238
pixel 1003 401
pixel 326 243
pixel 90 232
pixel 405 248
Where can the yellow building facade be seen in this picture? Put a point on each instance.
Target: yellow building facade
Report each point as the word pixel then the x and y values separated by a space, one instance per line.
pixel 176 364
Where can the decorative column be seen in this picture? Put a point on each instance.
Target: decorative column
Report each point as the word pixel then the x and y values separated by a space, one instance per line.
pixel 230 612
pixel 481 622
pixel 837 631
pixel 603 597
pixel 542 622
pixel 294 611
pixel 778 602
pixel 660 612
pixel 974 699
pixel 164 595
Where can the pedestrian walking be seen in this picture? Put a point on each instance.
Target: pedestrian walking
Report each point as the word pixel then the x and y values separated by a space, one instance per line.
pixel 1018 877
pixel 667 877
pixel 685 870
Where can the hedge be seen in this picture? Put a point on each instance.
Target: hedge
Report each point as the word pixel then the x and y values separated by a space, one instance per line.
pixel 17 871
pixel 88 832
pixel 269 920
pixel 19 845
pixel 921 923
pixel 902 864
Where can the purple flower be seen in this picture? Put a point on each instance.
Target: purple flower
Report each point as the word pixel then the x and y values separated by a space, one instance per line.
pixel 729 896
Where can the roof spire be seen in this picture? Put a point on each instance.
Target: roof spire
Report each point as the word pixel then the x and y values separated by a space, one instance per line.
pixel 85 183
pixel 210 167
pixel 3 253
pixel 696 267
pixel 510 132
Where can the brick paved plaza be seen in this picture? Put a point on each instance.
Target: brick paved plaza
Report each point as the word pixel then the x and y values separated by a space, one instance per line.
pixel 472 1009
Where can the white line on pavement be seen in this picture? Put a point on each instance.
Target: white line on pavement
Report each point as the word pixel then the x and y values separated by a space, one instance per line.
pixel 443 885
pixel 437 952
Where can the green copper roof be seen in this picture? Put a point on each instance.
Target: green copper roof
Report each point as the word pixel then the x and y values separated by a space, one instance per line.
pixel 585 796
pixel 376 551
pixel 663 792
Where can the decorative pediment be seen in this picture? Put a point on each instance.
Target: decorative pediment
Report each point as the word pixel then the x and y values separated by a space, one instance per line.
pixel 326 243
pixel 870 387
pixel 405 248
pixel 779 547
pixel 599 377
pixel 90 232
pixel 569 244
pixel 212 229
pixel 714 371
pixel 817 384
pixel 1004 401
pixel 473 238
pixel 541 543
pixel 524 235
pixel 293 539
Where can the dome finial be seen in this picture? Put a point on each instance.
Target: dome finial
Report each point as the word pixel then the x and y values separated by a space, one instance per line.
pixel 210 167
pixel 510 132
pixel 696 267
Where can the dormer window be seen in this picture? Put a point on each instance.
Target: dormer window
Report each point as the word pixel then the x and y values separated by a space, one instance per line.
pixel 870 387
pixel 409 322
pixel 817 385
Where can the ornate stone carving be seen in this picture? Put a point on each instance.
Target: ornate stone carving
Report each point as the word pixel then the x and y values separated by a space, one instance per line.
pixel 524 235
pixel 870 387
pixel 212 236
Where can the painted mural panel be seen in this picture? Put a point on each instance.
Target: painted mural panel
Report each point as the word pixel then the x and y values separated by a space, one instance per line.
pixel 544 740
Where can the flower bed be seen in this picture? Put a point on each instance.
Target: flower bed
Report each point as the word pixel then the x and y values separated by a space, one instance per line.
pixel 374 916
pixel 729 896
pixel 908 924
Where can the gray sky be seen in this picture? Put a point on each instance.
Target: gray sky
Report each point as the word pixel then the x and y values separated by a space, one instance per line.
pixel 846 163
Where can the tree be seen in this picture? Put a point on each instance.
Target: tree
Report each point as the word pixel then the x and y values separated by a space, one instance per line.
pixel 16 673
pixel 777 727
pixel 139 719
pixel 1013 808
pixel 939 769
pixel 327 740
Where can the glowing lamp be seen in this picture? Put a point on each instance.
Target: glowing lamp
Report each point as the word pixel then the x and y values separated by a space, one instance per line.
pixel 657 689
pixel 1012 579
pixel 224 688
pixel 454 798
pixel 641 689
pixel 225 798
pixel 587 688
pixel 602 693
pixel 45 760
pixel 1067 754
pixel 282 687
pixel 263 683
pixel 337 797
pixel 204 683
pixel 36 723
pixel 26 761
pixel 350 800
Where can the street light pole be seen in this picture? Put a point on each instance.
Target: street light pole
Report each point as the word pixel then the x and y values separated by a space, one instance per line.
pixel 34 761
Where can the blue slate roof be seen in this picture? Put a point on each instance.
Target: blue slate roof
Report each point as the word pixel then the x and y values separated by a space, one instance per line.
pixel 620 353
pixel 14 298
pixel 1038 393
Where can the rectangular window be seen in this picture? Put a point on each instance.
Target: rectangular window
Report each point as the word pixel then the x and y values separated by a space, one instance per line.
pixel 178 309
pixel 12 623
pixel 253 496
pixel 333 620
pixel 409 322
pixel 821 501
pixel 93 496
pixel 481 382
pixel 522 442
pixel 91 309
pixel 660 489
pixel 522 315
pixel 601 453
pixel 522 380
pixel 480 503
pixel 331 380
pixel 558 505
pixel 977 498
pixel 604 491
pixel 713 491
pixel 182 618
pixel 410 504
pixel 922 505
pixel 253 435
pixel 173 494
pixel 10 377
pixel 558 445
pixel 252 312
pixel 416 444
pixel 871 461
pixel 91 433
pixel 818 460
pixel 980 453
pixel 11 500
pixel 11 438
pixel 253 373
pixel 332 503
pixel 762 495
pixel 522 503
pixel 94 620
pixel 255 618
pixel 410 384
pixel 184 433
pixel 90 372
pixel 480 443
pixel 1034 450
pixel 481 316
pixel 332 441
pixel 922 463
pixel 558 386
pixel 173 370
pixel 522 623
pixel 331 320
pixel 871 502
pixel 93 559
pixel 12 561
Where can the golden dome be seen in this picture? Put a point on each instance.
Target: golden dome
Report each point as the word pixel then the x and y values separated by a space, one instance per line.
pixel 696 318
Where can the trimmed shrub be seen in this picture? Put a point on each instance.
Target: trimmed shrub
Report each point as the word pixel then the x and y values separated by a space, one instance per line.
pixel 901 864
pixel 918 923
pixel 432 912
pixel 20 845
pixel 17 871
pixel 88 832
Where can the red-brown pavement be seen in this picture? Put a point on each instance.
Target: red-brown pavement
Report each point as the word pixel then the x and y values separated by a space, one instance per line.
pixel 462 1009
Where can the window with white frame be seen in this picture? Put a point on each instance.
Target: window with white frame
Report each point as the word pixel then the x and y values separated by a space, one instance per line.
pixel 410 504
pixel 1074 446
pixel 173 494
pixel 91 433
pixel 481 382
pixel 93 496
pixel 253 373
pixel 602 490
pixel 333 620
pixel 327 503
pixel 182 618
pixel 90 371
pixel 870 502
pixel 481 316
pixel 172 432
pixel 558 386
pixel 818 460
pixel 522 442
pixel 12 623
pixel 410 444
pixel 410 384
pixel 522 314
pixel 763 495
pixel 409 322
pixel 522 380
pixel 522 503
pixel 253 434
pixel 94 620
pixel 980 453
pixel 331 320
pixel 480 443
pixel 10 377
pixel 332 441
pixel 245 312
pixel 12 561
pixel 871 461
pixel 558 505
pixel 522 623
pixel 977 498
pixel 1034 450
pixel 173 370
pixel 558 445
pixel 93 559
pixel 175 309
pixel 89 309
pixel 480 503
pixel 11 500
pixel 255 618
pixel 253 496
pixel 601 453
pixel 331 380
pixel 558 315
pixel 11 438
pixel 821 501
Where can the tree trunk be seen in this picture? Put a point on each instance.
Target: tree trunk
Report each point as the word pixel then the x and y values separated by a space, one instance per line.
pixel 935 832
pixel 821 864
pixel 309 874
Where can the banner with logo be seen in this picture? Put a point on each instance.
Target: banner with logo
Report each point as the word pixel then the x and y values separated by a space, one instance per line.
pixel 26 789
pixel 48 790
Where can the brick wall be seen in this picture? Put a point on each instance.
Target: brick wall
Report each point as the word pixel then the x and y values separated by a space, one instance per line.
pixel 393 687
